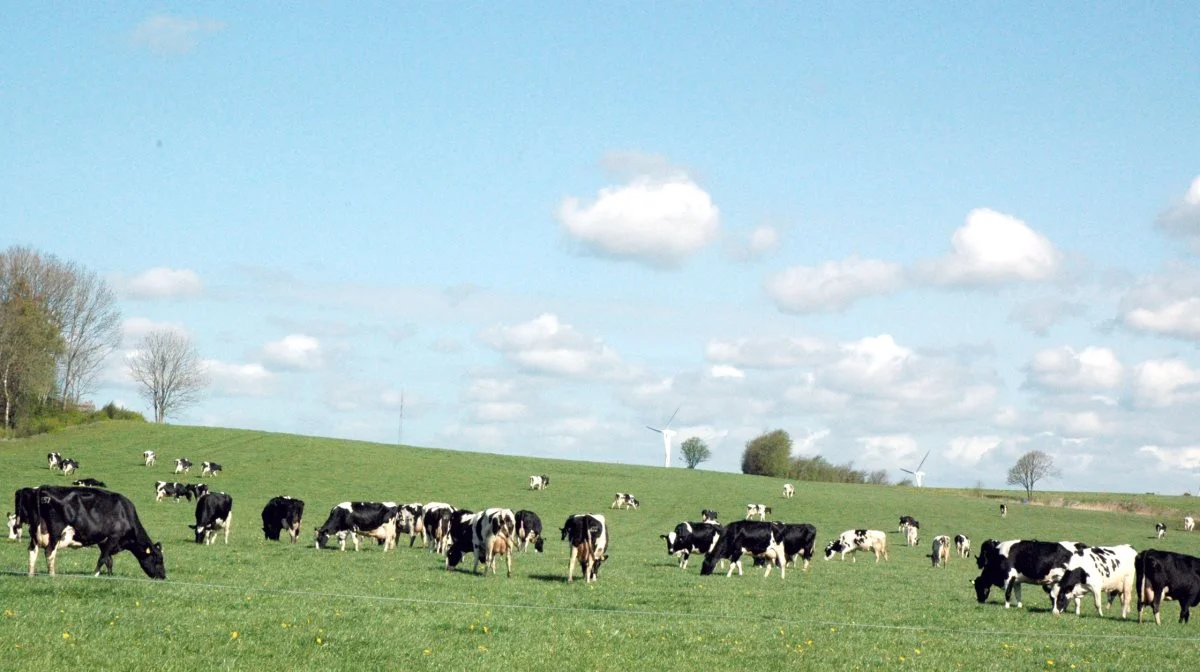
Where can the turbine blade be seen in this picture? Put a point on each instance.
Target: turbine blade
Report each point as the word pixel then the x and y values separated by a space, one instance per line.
pixel 672 416
pixel 654 429
pixel 907 471
pixel 923 460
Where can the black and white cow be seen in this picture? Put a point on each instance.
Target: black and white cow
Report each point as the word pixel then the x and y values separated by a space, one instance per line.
pixel 282 513
pixel 149 457
pixel 1097 569
pixel 73 517
pixel 492 536
pixel 789 491
pixel 459 537
pixel 183 465
pixel 908 521
pixel 760 511
pixel 708 516
pixel 198 489
pixel 912 535
pixel 748 537
pixel 962 544
pixel 53 460
pixel 372 519
pixel 529 528
pixel 625 500
pixel 409 522
pixel 941 550
pixel 539 482
pixel 1008 564
pixel 89 482
pixel 214 511
pixel 15 528
pixel 1160 530
pixel 1004 510
pixel 209 469
pixel 853 541
pixel 1163 575
pixel 798 540
pixel 68 465
pixel 688 538
pixel 435 525
pixel 588 535
pixel 164 489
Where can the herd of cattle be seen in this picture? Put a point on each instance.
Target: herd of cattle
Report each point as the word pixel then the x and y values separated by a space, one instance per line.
pixel 82 515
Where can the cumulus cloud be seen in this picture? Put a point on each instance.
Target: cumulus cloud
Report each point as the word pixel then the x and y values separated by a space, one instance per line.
pixel 726 371
pixel 766 353
pixel 168 35
pixel 657 221
pixel 546 346
pixel 1038 315
pixel 994 248
pixel 295 352
pixel 238 380
pixel 968 451
pixel 1167 304
pixel 1165 382
pixel 499 411
pixel 833 286
pixel 1065 369
pixel 160 283
pixel 1182 220
pixel 1174 458
pixel 762 241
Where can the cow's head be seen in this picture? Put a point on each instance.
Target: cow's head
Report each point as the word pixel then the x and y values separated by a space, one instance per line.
pixel 150 557
pixel 670 542
pixel 200 530
pixel 321 536
pixel 14 524
pixel 833 548
pixel 983 588
pixel 539 544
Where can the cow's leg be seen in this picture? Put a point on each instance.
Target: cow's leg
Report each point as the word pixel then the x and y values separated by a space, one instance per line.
pixel 33 553
pixel 51 557
pixel 507 561
pixel 1008 591
pixel 228 520
pixel 571 564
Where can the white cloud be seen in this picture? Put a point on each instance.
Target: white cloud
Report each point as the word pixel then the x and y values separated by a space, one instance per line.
pixel 238 380
pixel 1182 220
pixel 499 411
pixel 546 346
pixel 295 352
pixel 1165 382
pixel 726 371
pixel 833 286
pixel 764 353
pixel 892 451
pixel 762 241
pixel 166 35
pixel 658 222
pixel 1065 369
pixel 994 248
pixel 968 451
pixel 1174 458
pixel 1078 424
pixel 160 283
pixel 1039 315
pixel 1166 304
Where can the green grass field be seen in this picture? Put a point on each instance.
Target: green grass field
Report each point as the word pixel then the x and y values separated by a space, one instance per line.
pixel 256 604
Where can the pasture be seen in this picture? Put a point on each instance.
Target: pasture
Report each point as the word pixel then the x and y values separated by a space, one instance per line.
pixel 255 604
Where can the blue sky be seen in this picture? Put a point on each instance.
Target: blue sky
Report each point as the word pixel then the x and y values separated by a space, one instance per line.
pixel 969 229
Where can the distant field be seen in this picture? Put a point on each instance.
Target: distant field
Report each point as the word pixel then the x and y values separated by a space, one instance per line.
pixel 256 604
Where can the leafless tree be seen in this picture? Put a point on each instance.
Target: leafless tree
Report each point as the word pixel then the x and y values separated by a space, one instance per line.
pixel 1031 468
pixel 90 324
pixel 169 372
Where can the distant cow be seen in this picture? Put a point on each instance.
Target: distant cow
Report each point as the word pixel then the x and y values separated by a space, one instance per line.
pixel 1008 564
pixel 912 535
pixel 68 465
pixel 214 512
pixel 1097 569
pixel 760 511
pixel 209 469
pixel 53 460
pixel 962 544
pixel 529 528
pixel 1004 510
pixel 149 457
pixel 435 525
pixel 282 513
pixel 941 550
pixel 756 538
pixel 588 535
pixel 708 516
pixel 491 536
pixel 853 541
pixel 789 491
pixel 164 489
pixel 372 519
pixel 72 517
pixel 1189 523
pixel 1163 575
pixel 1160 530
pixel 688 538
pixel 183 465
pixel 89 482
pixel 539 482
pixel 908 521
pixel 625 500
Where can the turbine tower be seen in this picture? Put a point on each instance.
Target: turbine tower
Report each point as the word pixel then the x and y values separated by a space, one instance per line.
pixel 667 435
pixel 917 474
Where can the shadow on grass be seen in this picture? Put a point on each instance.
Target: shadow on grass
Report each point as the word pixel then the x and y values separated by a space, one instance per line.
pixel 549 578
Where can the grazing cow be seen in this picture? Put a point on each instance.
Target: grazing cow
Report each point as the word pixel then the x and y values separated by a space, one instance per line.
pixel 1160 530
pixel 459 536
pixel 1097 569
pixel 962 543
pixel 371 519
pixel 183 465
pixel 756 538
pixel 209 469
pixel 53 460
pixel 68 465
pixel 149 457
pixel 798 540
pixel 908 521
pixel 1004 510
pixel 72 517
pixel 588 535
pixel 941 550
pixel 789 491
pixel 853 541
pixel 529 528
pixel 282 513
pixel 90 481
pixel 164 489
pixel 214 511
pixel 912 535
pixel 435 526
pixel 1189 523
pixel 491 535
pixel 539 482
pixel 760 511
pixel 688 538
pixel 625 500
pixel 1008 564
pixel 708 516
pixel 1163 575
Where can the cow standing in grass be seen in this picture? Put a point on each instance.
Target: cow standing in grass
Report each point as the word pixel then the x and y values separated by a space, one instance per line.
pixel 748 537
pixel 71 517
pixel 853 541
pixel 1097 569
pixel 941 550
pixel 529 529
pixel 282 513
pixel 588 535
pixel 1163 575
pixel 1189 523
pixel 962 543
pixel 789 491
pixel 149 457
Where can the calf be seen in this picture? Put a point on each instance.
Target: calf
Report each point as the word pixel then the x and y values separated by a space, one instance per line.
pixel 68 466
pixel 53 460
pixel 588 535
pixel 164 489
pixel 183 465
pixel 1097 569
pixel 688 538
pixel 435 525
pixel 789 491
pixel 941 550
pixel 372 519
pixel 962 543
pixel 71 517
pixel 1163 575
pixel 756 538
pixel 708 516
pixel 89 481
pixel 149 457
pixel 539 482
pixel 1004 510
pixel 760 511
pixel 853 541
pixel 209 469
pixel 1008 564
pixel 529 528
pixel 214 511
pixel 1160 530
pixel 491 532
pixel 625 500
pixel 912 535
pixel 282 513
pixel 1189 523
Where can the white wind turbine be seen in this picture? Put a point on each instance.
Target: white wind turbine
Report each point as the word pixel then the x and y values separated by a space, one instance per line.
pixel 667 435
pixel 918 475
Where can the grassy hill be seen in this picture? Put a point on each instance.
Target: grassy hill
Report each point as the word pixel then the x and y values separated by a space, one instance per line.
pixel 254 604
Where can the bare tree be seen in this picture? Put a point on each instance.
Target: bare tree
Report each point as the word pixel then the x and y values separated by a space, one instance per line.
pixel 91 330
pixel 1031 468
pixel 169 372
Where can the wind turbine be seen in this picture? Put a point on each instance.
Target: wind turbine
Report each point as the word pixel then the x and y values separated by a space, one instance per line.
pixel 667 435
pixel 918 475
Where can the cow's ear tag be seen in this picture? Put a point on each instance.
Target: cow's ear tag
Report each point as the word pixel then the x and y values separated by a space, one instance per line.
pixel 147 551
